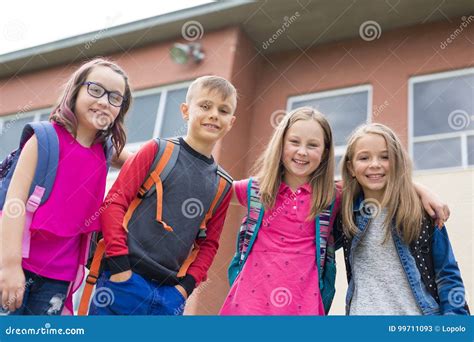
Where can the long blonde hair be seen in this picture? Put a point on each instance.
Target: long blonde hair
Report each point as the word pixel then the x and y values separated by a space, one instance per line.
pixel 400 198
pixel 269 169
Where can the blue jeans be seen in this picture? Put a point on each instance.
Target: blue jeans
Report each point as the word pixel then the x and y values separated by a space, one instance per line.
pixel 43 296
pixel 135 296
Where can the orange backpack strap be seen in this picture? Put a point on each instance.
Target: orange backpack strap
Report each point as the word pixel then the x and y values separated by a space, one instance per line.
pixel 91 278
pixel 225 183
pixel 164 161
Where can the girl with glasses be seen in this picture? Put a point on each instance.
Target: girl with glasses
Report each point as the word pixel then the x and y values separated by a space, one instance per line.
pixel 91 110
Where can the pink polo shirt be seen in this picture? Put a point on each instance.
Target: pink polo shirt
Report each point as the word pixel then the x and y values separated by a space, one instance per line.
pixel 280 276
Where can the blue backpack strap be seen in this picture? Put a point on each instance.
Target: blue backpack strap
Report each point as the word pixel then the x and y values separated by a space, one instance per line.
pixel 255 209
pixel 248 231
pixel 48 155
pixel 326 273
pixel 318 251
pixel 318 244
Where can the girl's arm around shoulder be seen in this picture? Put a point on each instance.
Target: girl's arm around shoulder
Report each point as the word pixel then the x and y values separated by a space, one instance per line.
pixel 118 160
pixel 433 205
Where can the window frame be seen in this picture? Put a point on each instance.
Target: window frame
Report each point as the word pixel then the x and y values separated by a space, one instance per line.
pixel 35 115
pixel 463 135
pixel 163 91
pixel 338 150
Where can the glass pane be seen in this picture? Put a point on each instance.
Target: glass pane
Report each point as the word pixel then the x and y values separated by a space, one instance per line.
pixel 140 120
pixel 44 117
pixel 344 112
pixel 173 123
pixel 338 167
pixel 437 154
pixel 443 106
pixel 11 133
pixel 470 150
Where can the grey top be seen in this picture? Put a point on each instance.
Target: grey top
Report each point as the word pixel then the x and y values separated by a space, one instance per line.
pixel 187 194
pixel 381 285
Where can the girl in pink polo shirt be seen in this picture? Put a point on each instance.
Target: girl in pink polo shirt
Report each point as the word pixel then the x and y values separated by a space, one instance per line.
pixel 276 268
pixel 295 178
pixel 42 280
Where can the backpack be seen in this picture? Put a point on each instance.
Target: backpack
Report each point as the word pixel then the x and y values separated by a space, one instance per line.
pixel 325 248
pixel 165 159
pixel 45 174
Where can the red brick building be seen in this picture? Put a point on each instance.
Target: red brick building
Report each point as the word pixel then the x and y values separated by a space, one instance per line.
pixel 408 65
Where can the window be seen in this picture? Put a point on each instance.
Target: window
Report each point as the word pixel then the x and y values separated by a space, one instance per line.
pixel 11 127
pixel 155 113
pixel 442 120
pixel 344 108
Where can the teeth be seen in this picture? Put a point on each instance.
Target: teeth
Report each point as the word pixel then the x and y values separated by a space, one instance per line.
pixel 211 126
pixel 300 162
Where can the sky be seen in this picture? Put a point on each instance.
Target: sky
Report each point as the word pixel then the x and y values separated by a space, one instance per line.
pixel 24 24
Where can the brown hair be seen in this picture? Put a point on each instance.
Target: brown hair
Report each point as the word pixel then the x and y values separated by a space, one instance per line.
pixel 64 113
pixel 269 169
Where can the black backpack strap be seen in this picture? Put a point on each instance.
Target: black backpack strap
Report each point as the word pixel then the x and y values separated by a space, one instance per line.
pixel 108 151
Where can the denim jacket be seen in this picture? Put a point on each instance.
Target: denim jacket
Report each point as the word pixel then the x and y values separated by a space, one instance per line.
pixel 435 279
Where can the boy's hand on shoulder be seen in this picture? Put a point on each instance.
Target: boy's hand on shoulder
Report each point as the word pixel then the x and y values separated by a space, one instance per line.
pixel 121 277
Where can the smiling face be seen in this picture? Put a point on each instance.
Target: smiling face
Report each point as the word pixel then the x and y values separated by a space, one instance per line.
pixel 303 148
pixel 209 115
pixel 97 113
pixel 370 165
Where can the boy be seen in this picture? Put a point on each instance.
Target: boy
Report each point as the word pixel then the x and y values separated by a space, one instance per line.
pixel 148 243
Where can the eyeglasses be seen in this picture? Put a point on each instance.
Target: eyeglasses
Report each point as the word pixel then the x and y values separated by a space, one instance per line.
pixel 97 91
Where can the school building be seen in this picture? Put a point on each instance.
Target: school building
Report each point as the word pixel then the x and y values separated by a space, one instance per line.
pixel 407 64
